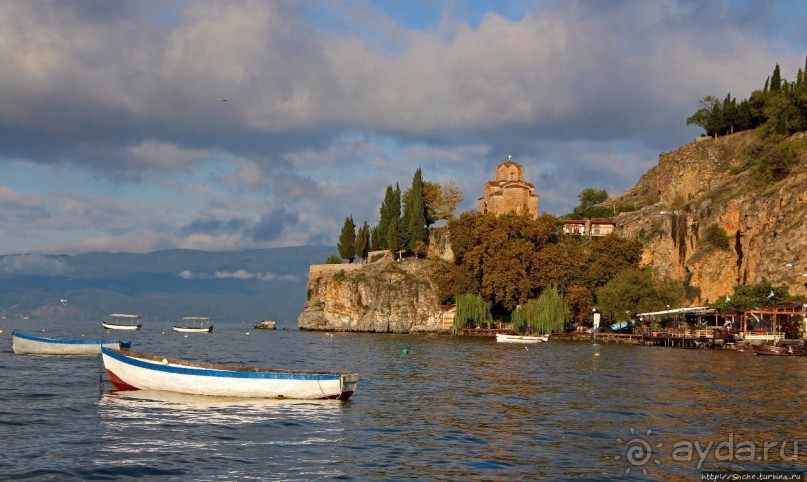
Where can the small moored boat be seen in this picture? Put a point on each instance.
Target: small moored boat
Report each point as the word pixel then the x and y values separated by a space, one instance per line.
pixel 194 324
pixel 502 338
pixel 26 344
pixel 121 321
pixel 772 350
pixel 139 371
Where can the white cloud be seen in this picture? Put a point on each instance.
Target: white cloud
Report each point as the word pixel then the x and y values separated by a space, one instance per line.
pixel 32 264
pixel 238 110
pixel 241 275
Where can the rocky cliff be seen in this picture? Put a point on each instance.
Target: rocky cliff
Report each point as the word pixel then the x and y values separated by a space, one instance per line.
pixel 722 182
pixel 383 297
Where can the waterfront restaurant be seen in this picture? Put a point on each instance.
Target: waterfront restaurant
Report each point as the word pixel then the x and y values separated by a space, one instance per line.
pixel 774 323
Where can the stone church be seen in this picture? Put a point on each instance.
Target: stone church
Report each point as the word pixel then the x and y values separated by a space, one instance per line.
pixel 509 192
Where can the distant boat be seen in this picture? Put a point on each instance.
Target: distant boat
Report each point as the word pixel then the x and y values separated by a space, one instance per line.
pixel 194 324
pixel 139 371
pixel 25 344
pixel 266 325
pixel 120 321
pixel 502 338
pixel 771 350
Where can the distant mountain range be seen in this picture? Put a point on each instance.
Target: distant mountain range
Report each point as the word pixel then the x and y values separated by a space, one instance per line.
pixel 252 285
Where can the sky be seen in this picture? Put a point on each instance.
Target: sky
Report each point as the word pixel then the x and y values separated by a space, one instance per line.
pixel 135 126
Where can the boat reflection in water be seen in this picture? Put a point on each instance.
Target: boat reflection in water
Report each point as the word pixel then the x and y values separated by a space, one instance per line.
pixel 205 409
pixel 144 431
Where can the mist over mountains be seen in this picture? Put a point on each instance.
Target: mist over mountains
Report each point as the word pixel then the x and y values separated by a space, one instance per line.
pixel 251 285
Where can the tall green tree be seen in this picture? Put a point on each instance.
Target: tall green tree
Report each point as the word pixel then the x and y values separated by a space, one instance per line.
pixel 588 207
pixel 386 214
pixel 776 81
pixel 396 234
pixel 471 310
pixel 376 241
pixel 347 239
pixel 542 316
pixel 414 216
pixel 755 295
pixel 363 242
pixel 634 291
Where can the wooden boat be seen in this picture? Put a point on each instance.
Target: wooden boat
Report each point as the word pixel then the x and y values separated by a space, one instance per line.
pixel 772 350
pixel 502 338
pixel 139 371
pixel 193 324
pixel 26 344
pixel 121 321
pixel 266 325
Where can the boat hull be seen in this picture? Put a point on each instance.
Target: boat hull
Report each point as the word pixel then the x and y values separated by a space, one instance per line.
pixel 768 350
pixel 137 371
pixel 501 338
pixel 25 344
pixel 184 329
pixel 115 326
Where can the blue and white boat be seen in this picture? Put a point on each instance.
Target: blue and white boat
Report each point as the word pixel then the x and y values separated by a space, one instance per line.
pixel 26 344
pixel 138 371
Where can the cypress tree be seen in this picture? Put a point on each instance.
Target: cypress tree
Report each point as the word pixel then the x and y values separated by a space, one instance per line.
pixel 363 242
pixel 385 216
pixel 346 246
pixel 415 213
pixel 376 241
pixel 776 80
pixel 765 89
pixel 395 234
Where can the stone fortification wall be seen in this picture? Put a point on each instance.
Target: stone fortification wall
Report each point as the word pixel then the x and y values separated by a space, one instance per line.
pixel 322 269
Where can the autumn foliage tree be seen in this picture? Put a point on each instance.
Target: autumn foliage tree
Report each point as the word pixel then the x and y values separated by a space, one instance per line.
pixel 512 258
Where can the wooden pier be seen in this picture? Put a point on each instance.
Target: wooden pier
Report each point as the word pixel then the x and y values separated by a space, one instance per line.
pixel 687 339
pixel 486 331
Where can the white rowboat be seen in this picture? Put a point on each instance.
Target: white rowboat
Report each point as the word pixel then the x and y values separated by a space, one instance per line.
pixel 25 344
pixel 139 371
pixel 501 338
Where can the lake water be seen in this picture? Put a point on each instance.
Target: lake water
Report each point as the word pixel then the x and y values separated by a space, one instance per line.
pixel 449 409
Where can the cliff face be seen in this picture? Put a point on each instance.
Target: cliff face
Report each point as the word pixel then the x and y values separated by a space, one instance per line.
pixel 382 297
pixel 711 183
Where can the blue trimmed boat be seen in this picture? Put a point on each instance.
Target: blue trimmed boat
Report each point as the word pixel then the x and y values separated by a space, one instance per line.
pixel 26 344
pixel 139 371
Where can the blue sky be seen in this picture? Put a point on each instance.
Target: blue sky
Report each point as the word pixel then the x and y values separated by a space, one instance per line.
pixel 134 126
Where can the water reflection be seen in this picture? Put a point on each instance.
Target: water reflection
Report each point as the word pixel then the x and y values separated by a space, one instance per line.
pixel 123 405
pixel 146 428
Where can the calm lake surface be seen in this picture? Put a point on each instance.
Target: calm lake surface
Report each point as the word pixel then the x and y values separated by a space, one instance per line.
pixel 449 409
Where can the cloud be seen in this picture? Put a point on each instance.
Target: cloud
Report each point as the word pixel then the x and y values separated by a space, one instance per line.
pixel 260 124
pixel 241 275
pixel 273 224
pixel 33 264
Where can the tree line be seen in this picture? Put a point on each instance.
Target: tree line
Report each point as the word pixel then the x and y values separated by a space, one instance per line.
pixel 521 265
pixel 779 108
pixel 404 220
